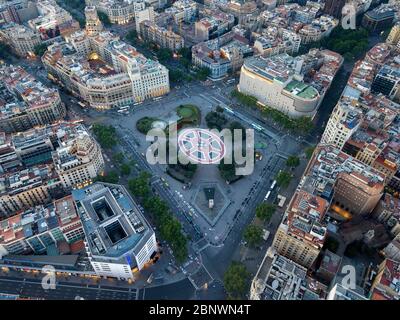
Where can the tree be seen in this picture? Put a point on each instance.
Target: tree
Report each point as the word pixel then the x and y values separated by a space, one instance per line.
pixel 309 152
pixel 283 179
pixel 164 54
pixel 40 49
pixel 5 51
pixel 131 37
pixel 331 244
pixel 118 157
pixel 265 210
pixel 125 169
pixel 202 73
pixel 244 99
pixel 236 279
pixel 228 172
pixel 140 185
pixel 253 235
pixel 111 177
pixel 104 18
pixel 293 161
pixel 105 135
pixel 170 228
pixel 219 109
pixel 215 120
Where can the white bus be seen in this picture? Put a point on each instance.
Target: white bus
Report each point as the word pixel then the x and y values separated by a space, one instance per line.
pixel 267 195
pixel 157 99
pixel 273 185
pixel 265 234
pixel 257 127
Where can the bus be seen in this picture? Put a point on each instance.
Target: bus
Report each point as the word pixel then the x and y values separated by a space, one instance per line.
pixel 82 104
pixel 229 110
pixel 273 185
pixel 230 81
pixel 267 195
pixel 157 99
pixel 257 127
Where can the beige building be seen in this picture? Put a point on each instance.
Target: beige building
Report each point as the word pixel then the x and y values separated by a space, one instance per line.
pixel 394 36
pixel 149 31
pixel 93 23
pixel 276 85
pixel 343 122
pixel 353 187
pixel 121 75
pixel 21 39
pixel 302 232
pixel 32 104
pixel 78 159
pixel 28 188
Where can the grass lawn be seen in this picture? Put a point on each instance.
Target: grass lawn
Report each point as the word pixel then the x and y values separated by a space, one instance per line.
pixel 145 124
pixel 189 114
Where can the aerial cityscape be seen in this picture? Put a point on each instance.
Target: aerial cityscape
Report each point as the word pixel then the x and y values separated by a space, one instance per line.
pixel 200 150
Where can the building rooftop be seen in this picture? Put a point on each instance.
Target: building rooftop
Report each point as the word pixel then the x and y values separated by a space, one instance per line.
pixel 279 278
pixel 112 222
pixel 305 217
pixel 38 220
pixel 20 91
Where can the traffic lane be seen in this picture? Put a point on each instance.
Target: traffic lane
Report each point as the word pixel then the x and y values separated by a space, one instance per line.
pixel 34 289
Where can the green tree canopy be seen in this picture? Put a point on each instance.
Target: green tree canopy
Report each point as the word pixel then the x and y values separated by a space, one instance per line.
pixel 264 211
pixel 283 179
pixel 106 135
pixel 125 169
pixel 140 186
pixel 236 280
pixel 293 161
pixel 40 49
pixel 104 18
pixel 253 235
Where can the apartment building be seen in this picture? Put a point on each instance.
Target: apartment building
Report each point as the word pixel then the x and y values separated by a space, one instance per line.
pixel 386 285
pixel 388 212
pixel 118 11
pixel 222 55
pixel 343 122
pixel 53 21
pixel 143 13
pixel 183 11
pixel 352 187
pixel 39 229
pixel 27 188
pixel 93 24
pixel 165 38
pixel 25 101
pixel 18 11
pixel 302 232
pixel 78 158
pixel 119 240
pixel 20 38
